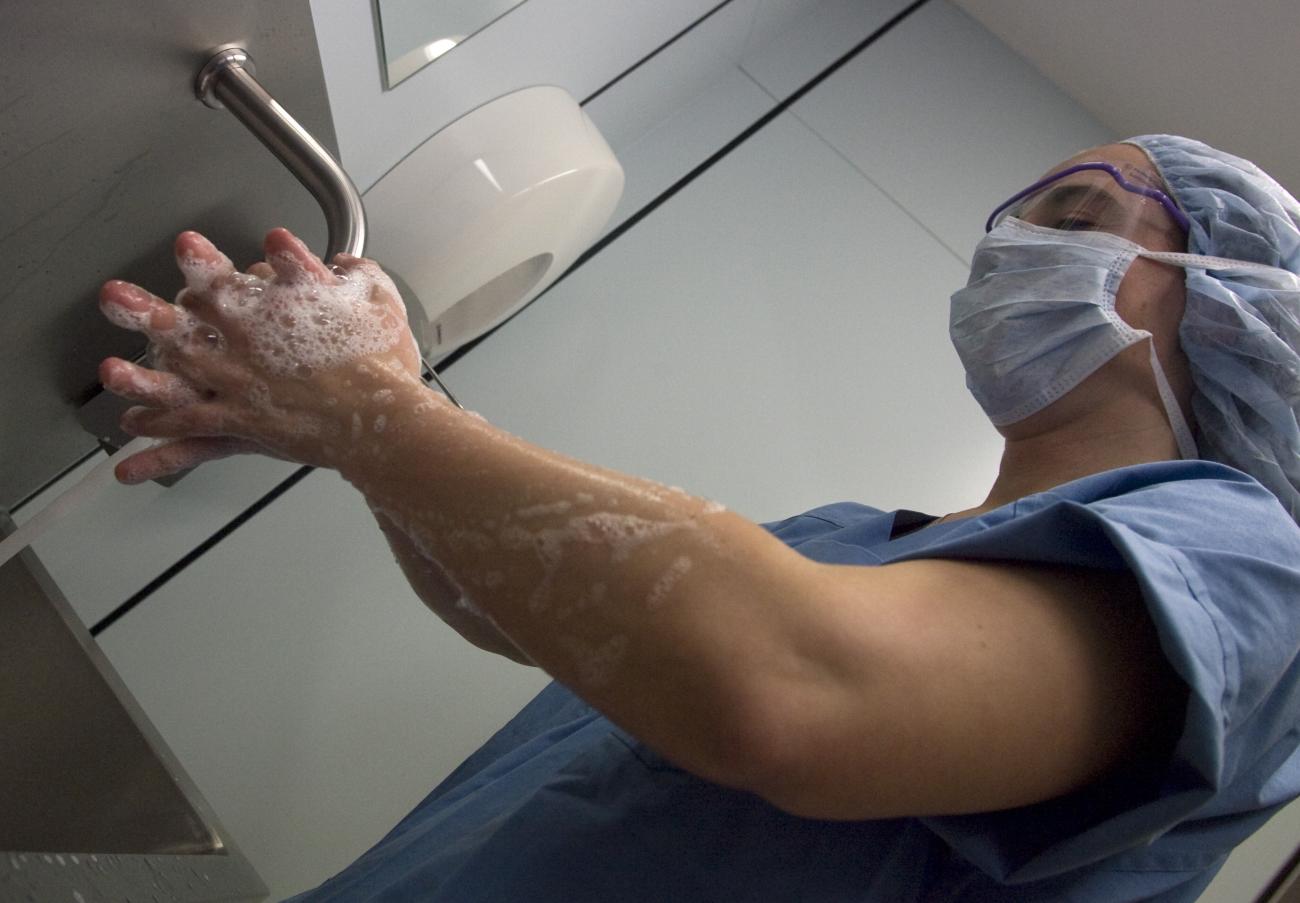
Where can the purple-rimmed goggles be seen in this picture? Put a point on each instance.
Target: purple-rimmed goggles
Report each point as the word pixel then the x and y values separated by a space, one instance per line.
pixel 1084 197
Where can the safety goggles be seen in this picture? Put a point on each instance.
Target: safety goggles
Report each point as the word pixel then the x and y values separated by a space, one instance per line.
pixel 1121 199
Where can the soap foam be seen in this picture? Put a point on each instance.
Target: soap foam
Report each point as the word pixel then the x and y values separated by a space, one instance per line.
pixel 544 509
pixel 664 585
pixel 169 391
pixel 596 664
pixel 135 320
pixel 298 327
pixel 622 534
pixel 594 596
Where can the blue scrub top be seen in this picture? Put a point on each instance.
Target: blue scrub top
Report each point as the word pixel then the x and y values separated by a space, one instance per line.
pixel 563 806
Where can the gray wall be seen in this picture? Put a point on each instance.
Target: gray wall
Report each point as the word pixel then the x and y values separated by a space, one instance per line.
pixel 105 154
pixel 773 336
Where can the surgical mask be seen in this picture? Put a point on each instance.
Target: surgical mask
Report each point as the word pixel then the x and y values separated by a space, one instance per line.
pixel 1038 317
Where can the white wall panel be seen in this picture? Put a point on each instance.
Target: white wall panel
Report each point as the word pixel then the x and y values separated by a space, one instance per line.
pixel 814 36
pixel 1253 864
pixel 672 79
pixel 947 121
pixel 775 18
pixel 117 542
pixel 686 139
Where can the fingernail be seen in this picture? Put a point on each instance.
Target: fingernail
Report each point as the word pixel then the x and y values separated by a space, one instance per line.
pixel 128 475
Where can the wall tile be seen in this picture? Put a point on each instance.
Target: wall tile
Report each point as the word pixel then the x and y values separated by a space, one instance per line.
pixel 112 546
pixel 947 121
pixel 810 42
pixel 686 139
pixel 672 78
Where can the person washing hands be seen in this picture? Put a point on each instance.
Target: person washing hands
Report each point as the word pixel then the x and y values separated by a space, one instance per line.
pixel 1085 688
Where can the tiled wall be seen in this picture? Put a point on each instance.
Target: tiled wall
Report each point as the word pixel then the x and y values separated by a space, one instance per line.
pixel 773 335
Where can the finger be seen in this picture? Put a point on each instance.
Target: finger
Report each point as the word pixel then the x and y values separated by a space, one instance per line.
pixel 292 260
pixel 201 263
pixel 262 270
pixel 144 386
pixel 182 454
pixel 195 420
pixel 131 307
pixel 349 262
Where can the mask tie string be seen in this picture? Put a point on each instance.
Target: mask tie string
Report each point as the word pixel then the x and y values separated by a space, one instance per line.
pixel 1182 432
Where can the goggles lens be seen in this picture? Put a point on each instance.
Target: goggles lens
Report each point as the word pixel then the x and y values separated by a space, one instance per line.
pixel 1121 199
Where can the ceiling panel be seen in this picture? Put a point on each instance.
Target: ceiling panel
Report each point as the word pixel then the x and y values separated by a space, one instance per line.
pixel 1221 72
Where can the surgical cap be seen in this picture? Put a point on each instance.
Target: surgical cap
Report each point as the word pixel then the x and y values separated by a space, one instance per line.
pixel 1241 329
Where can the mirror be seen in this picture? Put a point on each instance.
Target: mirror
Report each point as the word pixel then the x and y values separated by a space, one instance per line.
pixel 414 33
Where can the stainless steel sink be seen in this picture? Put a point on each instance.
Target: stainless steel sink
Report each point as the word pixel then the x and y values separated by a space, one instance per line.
pixel 91 800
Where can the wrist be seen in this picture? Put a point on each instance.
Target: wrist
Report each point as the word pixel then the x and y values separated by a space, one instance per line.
pixel 389 419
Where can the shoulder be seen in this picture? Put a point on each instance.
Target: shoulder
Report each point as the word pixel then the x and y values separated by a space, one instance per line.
pixel 1175 516
pixel 1181 500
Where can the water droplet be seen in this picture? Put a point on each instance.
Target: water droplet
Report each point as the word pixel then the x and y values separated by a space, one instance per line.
pixel 320 319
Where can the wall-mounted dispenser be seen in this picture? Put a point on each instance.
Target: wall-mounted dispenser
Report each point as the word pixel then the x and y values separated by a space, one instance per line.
pixel 490 210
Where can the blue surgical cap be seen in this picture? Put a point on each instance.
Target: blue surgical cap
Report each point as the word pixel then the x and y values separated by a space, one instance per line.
pixel 1241 329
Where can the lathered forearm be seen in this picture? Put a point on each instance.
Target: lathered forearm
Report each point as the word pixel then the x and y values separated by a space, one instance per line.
pixel 657 607
pixel 443 597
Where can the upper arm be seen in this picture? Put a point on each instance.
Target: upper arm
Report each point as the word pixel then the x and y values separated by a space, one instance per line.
pixel 942 687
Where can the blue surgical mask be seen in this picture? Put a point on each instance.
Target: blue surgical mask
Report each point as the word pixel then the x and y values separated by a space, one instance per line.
pixel 1038 317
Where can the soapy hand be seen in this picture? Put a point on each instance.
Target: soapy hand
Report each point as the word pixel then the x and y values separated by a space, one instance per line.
pixel 276 360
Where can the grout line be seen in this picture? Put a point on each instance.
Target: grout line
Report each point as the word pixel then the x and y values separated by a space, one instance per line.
pixel 653 53
pixel 757 84
pixel 893 200
pixel 27 499
pixel 188 558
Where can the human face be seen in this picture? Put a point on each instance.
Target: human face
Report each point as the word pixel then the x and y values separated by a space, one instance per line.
pixel 1130 200
pixel 1151 296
